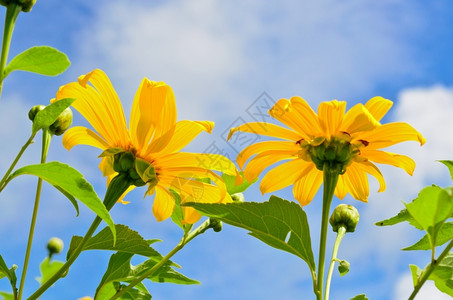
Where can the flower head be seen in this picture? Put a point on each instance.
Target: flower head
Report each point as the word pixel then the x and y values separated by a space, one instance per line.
pixel 348 143
pixel 149 149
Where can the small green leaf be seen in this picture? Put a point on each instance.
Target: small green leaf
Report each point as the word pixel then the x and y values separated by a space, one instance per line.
pixel 360 297
pixel 415 272
pixel 46 117
pixel 111 152
pixel 10 273
pixel 127 240
pixel 449 165
pixel 43 60
pixel 134 294
pixel 7 296
pixel 121 270
pixel 279 223
pixel 402 216
pixel 230 183
pixel 444 235
pixel 48 269
pixel 177 215
pixel 442 275
pixel 432 207
pixel 72 182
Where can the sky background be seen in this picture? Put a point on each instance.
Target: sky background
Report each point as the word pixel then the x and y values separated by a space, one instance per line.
pixel 226 62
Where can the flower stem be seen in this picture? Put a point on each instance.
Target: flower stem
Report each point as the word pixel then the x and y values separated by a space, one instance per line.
pixel 330 182
pixel 185 239
pixel 12 11
pixel 341 233
pixel 46 138
pixel 16 160
pixel 430 269
pixel 116 188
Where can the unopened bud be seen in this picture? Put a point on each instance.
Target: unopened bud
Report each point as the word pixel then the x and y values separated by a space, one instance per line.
pixel 343 267
pixel 26 4
pixel 238 197
pixel 123 161
pixel 62 123
pixel 55 246
pixel 346 216
pixel 34 110
pixel 215 224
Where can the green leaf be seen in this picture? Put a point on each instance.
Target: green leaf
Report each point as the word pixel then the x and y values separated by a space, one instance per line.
pixel 177 216
pixel 415 272
pixel 432 207
pixel 134 294
pixel 121 270
pixel 444 235
pixel 127 240
pixel 449 165
pixel 46 117
pixel 48 269
pixel 68 179
pixel 442 275
pixel 43 60
pixel 402 216
pixel 360 297
pixel 7 296
pixel 111 152
pixel 230 183
pixel 279 223
pixel 10 273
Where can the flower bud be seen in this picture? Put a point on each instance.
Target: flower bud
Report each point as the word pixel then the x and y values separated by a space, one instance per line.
pixel 26 4
pixel 238 197
pixel 215 224
pixel 343 267
pixel 55 246
pixel 62 123
pixel 346 216
pixel 123 161
pixel 34 110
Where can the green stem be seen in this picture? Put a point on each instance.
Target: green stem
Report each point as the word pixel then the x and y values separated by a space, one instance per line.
pixel 430 269
pixel 186 239
pixel 3 182
pixel 12 11
pixel 341 233
pixel 330 182
pixel 116 188
pixel 46 138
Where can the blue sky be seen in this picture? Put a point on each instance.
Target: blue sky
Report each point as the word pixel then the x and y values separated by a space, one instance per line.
pixel 225 62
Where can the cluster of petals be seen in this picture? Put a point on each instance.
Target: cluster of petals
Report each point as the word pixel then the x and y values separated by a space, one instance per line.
pixel 154 134
pixel 360 126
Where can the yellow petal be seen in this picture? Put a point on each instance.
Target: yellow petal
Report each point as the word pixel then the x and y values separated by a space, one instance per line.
pixel 260 147
pixel 371 169
pixel 390 134
pixel 83 136
pixel 106 166
pixel 356 182
pixel 383 157
pixel 164 203
pixel 190 215
pixel 283 175
pixel 197 160
pixel 305 188
pixel 341 189
pixel 191 190
pixel 153 116
pixel 264 160
pixel 267 129
pixel 301 117
pixel 330 115
pixel 358 118
pixel 185 132
pixel 378 107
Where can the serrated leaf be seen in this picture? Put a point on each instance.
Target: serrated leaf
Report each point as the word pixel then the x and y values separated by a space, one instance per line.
pixel 230 183
pixel 432 207
pixel 127 240
pixel 279 223
pixel 43 60
pixel 442 275
pixel 110 289
pixel 449 165
pixel 72 182
pixel 10 273
pixel 48 268
pixel 46 117
pixel 444 235
pixel 402 216
pixel 360 297
pixel 121 270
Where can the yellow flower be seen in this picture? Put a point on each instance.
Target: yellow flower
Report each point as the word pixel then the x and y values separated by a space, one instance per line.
pixel 330 140
pixel 154 136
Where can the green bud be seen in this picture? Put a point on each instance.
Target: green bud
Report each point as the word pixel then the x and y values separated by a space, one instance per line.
pixel 34 110
pixel 346 216
pixel 55 245
pixel 123 162
pixel 238 197
pixel 343 267
pixel 62 123
pixel 215 224
pixel 26 4
pixel 330 154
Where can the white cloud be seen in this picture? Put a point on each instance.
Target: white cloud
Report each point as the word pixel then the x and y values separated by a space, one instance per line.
pixel 404 288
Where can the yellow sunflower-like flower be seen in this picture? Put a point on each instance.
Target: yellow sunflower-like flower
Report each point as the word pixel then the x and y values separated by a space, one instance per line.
pixel 154 139
pixel 331 140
